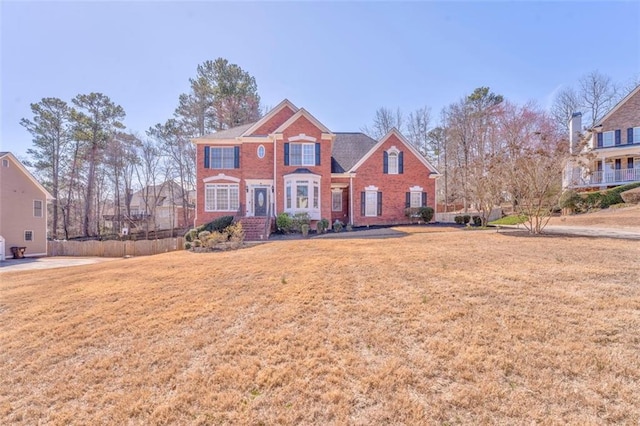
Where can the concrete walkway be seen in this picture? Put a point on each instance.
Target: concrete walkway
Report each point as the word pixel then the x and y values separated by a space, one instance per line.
pixel 33 263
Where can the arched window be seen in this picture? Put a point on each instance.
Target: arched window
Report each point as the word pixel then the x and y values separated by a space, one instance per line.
pixel 393 163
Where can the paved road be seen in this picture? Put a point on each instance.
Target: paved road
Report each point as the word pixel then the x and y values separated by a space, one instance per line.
pixel 31 263
pixel 589 231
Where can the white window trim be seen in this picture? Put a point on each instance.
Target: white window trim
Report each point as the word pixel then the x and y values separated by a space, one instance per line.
pixel 25 235
pixel 396 155
pixel 41 208
pixel 313 183
pixel 214 187
pixel 604 139
pixel 636 135
pixel 262 149
pixel 368 191
pixel 5 162
pixel 302 148
pixel 334 193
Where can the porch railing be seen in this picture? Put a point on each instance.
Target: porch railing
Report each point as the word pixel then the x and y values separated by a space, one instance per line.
pixel 607 177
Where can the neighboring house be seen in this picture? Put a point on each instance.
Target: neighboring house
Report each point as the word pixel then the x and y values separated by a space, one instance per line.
pixel 611 156
pixel 290 162
pixel 23 208
pixel 155 207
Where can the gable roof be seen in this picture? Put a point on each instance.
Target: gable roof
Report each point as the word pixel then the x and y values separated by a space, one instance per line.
pixel 408 145
pixel 255 126
pixel 618 105
pixel 306 114
pixel 24 170
pixel 347 149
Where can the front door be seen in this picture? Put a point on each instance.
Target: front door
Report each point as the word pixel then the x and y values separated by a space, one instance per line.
pixel 260 202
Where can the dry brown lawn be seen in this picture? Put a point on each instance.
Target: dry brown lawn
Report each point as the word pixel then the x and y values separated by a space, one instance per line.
pixel 624 217
pixel 432 328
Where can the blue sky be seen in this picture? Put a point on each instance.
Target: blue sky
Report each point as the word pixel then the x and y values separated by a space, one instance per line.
pixel 339 60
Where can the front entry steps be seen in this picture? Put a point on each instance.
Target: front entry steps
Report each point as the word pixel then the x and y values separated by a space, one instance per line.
pixel 256 228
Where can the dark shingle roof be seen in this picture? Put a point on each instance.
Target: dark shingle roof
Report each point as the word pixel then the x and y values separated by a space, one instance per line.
pixel 348 149
pixel 231 133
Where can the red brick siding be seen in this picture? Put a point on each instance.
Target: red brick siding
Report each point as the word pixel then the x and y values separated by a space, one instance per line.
pixel 203 217
pixel 276 121
pixel 628 115
pixel 254 167
pixel 393 187
pixel 342 216
pixel 303 125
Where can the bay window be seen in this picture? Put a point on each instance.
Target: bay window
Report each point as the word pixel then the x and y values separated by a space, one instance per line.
pixel 302 194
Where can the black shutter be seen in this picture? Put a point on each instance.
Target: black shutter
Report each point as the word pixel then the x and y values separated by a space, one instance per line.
pixel 599 140
pixel 236 157
pixel 407 199
pixel 207 157
pixel 363 198
pixel 317 154
pixel 618 137
pixel 286 154
pixel 379 203
pixel 630 135
pixel 385 162
pixel 401 162
pixel 424 199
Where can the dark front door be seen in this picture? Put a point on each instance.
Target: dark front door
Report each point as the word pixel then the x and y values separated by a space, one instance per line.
pixel 260 202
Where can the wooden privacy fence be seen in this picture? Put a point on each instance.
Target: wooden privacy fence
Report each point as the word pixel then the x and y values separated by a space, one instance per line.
pixel 115 248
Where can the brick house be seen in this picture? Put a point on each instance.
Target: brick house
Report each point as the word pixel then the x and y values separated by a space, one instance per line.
pixel 288 161
pixel 611 156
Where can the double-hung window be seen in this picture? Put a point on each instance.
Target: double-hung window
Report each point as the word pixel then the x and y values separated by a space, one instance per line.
pixel 37 208
pixel 371 203
pixel 636 135
pixel 608 139
pixel 416 199
pixel 221 197
pixel 222 158
pixel 302 154
pixel 336 201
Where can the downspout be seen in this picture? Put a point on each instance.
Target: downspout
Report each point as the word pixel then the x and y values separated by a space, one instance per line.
pixel 351 199
pixel 275 185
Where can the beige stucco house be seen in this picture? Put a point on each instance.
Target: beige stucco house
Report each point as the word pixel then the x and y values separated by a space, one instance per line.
pixel 23 209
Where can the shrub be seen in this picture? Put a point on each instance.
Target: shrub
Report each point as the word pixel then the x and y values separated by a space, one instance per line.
pixel 299 219
pixel 235 233
pixel 187 246
pixel 217 225
pixel 477 221
pixel 349 228
pixel 304 228
pixel 570 200
pixel 284 222
pixel 459 220
pixel 202 236
pixel 191 235
pixel 426 213
pixel 466 219
pixel 322 225
pixel 197 243
pixel 593 200
pixel 216 238
pixel 337 226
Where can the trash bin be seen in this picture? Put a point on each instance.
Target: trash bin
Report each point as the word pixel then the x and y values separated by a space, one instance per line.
pixel 18 252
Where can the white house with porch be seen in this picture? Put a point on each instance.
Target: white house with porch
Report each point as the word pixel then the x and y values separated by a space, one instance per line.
pixel 608 154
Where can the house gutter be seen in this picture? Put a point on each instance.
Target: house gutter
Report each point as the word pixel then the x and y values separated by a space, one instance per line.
pixel 275 184
pixel 351 199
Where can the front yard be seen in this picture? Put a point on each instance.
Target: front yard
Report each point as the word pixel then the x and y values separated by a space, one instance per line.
pixel 430 328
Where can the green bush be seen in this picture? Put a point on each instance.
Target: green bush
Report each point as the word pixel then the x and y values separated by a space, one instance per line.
pixel 466 219
pixel 612 196
pixel 570 200
pixel 299 219
pixel 337 226
pixel 284 222
pixel 426 213
pixel 477 221
pixel 202 236
pixel 187 246
pixel 191 235
pixel 322 225
pixel 459 220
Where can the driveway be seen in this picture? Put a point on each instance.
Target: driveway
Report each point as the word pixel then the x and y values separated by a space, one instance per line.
pixel 587 231
pixel 33 263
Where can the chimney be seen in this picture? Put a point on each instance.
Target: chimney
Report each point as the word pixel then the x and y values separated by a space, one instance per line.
pixel 575 130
